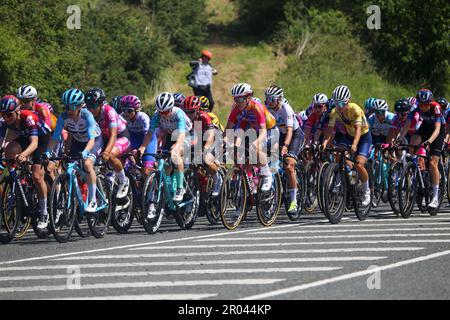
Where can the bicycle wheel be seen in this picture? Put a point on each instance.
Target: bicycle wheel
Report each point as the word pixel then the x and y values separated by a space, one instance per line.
pixel 62 215
pixel 235 197
pixel 213 204
pixel 268 203
pixel 99 221
pixel 442 184
pixel 311 171
pixel 319 188
pixel 362 212
pixel 150 201
pixel 10 215
pixel 395 174
pixel 45 233
pixel 407 191
pixel 187 210
pixel 377 183
pixel 123 209
pixel 81 225
pixel 335 193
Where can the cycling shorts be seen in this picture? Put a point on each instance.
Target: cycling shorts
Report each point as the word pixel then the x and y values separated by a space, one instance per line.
pixel 436 147
pixel 77 147
pixel 365 142
pixel 36 157
pixel 296 143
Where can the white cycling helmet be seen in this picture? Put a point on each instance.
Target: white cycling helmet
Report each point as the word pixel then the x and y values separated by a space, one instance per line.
pixel 303 115
pixel 342 93
pixel 274 92
pixel 320 98
pixel 241 89
pixel 380 105
pixel 27 92
pixel 165 102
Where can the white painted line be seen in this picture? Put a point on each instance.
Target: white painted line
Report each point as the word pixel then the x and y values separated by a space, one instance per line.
pixel 352 275
pixel 350 230
pixel 179 296
pixel 230 253
pixel 171 272
pixel 281 244
pixel 124 285
pixel 192 263
pixel 358 224
pixel 388 235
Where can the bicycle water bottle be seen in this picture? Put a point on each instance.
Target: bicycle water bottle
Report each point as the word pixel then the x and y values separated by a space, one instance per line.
pixel 84 188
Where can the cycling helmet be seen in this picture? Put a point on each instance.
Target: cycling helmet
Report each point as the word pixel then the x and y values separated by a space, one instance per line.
pixel 204 103
pixel 402 105
pixel 380 105
pixel 164 102
pixel 9 104
pixel 95 96
pixel 27 92
pixel 130 102
pixel 368 104
pixel 241 89
pixel 179 98
pixel 115 103
pixel 443 102
pixel 424 96
pixel 207 54
pixel 191 103
pixel 73 97
pixel 303 115
pixel 320 98
pixel 274 92
pixel 341 93
pixel 412 101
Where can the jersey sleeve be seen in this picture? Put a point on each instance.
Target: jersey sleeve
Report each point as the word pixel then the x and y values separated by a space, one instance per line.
pixel 31 121
pixel 154 122
pixel 113 118
pixel 57 134
pixel 358 117
pixel 289 116
pixel 233 116
pixel 145 123
pixel 332 122
pixel 91 126
pixel 181 121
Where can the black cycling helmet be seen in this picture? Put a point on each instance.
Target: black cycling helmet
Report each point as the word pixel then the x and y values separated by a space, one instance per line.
pixel 402 105
pixel 94 96
pixel 443 102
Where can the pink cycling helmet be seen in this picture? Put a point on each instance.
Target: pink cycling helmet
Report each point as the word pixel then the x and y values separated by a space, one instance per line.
pixel 130 102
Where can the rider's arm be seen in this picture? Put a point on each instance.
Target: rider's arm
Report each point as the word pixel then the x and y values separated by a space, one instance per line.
pixel 34 143
pixel 90 145
pixel 437 129
pixel 112 139
pixel 405 129
pixel 393 132
pixel 148 137
pixel 317 135
pixel 357 136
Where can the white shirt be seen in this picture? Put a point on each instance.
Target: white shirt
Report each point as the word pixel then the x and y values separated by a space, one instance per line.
pixel 203 74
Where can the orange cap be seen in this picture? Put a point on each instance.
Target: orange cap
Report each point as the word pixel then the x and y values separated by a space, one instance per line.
pixel 207 53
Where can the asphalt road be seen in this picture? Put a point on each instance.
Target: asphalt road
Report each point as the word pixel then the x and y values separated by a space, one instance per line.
pixel 384 257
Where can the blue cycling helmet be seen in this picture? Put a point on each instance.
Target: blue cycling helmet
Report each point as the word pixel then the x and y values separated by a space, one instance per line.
pixel 179 99
pixel 73 98
pixel 368 104
pixel 424 96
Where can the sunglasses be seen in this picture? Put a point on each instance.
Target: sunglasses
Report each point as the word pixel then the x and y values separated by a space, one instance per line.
pixel 71 107
pixel 240 99
pixel 271 99
pixel 340 104
pixel 7 115
pixel 379 111
pixel 128 110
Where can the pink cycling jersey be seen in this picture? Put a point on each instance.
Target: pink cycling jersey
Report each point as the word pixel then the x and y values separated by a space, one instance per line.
pixel 110 119
pixel 416 121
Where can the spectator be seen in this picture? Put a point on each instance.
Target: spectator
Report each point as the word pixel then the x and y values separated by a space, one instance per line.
pixel 200 79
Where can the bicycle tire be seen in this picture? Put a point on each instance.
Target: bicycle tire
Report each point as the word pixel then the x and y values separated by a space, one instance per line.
pixel 120 219
pixel 213 205
pixel 7 231
pixel 331 174
pixel 362 212
pixel 377 183
pixel 184 217
pixel 99 221
pixel 236 194
pixel 407 191
pixel 149 194
pixel 319 189
pixel 41 234
pixel 266 211
pixel 311 200
pixel 395 173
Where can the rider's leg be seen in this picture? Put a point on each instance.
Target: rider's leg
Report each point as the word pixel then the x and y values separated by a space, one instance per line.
pixel 38 174
pixel 289 166
pixel 91 178
pixel 435 176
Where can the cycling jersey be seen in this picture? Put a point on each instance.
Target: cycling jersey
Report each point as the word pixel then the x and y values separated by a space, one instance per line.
pixel 285 117
pixel 206 121
pixel 30 125
pixel 215 121
pixel 43 111
pixel 415 123
pixel 138 127
pixel 255 116
pixel 429 118
pixel 82 129
pixel 108 119
pixel 177 120
pixel 353 115
pixel 378 128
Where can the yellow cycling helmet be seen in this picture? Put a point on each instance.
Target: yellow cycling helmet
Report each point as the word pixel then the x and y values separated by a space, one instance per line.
pixel 204 103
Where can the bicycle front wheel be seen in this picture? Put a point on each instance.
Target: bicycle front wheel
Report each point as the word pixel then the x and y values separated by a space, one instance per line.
pixel 187 212
pixel 334 193
pixel 10 212
pixel 407 191
pixel 152 207
pixel 99 221
pixel 395 174
pixel 235 196
pixel 268 203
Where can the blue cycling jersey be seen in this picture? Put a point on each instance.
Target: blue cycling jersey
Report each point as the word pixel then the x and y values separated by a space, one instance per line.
pixel 82 129
pixel 177 120
pixel 378 128
pixel 138 127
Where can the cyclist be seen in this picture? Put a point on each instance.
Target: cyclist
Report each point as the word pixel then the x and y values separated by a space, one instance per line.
pixel 249 114
pixel 357 135
pixel 115 103
pixel 86 138
pixel 402 108
pixel 368 105
pixel 320 108
pixel 431 133
pixel 204 106
pixel 115 135
pixel 172 124
pixel 138 125
pixel 381 122
pixel 291 137
pixel 29 139
pixel 191 107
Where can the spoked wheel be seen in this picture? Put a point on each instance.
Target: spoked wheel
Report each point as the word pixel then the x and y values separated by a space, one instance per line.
pixel 63 208
pixel 234 198
pixel 319 187
pixel 377 183
pixel 187 212
pixel 407 190
pixel 442 184
pixel 361 211
pixel 214 203
pixel 395 174
pixel 311 170
pixel 99 221
pixel 10 212
pixel 41 234
pixel 268 203
pixel 152 207
pixel 123 209
pixel 335 193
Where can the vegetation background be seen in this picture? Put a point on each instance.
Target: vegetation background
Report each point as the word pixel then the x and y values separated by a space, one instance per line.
pixel 143 47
